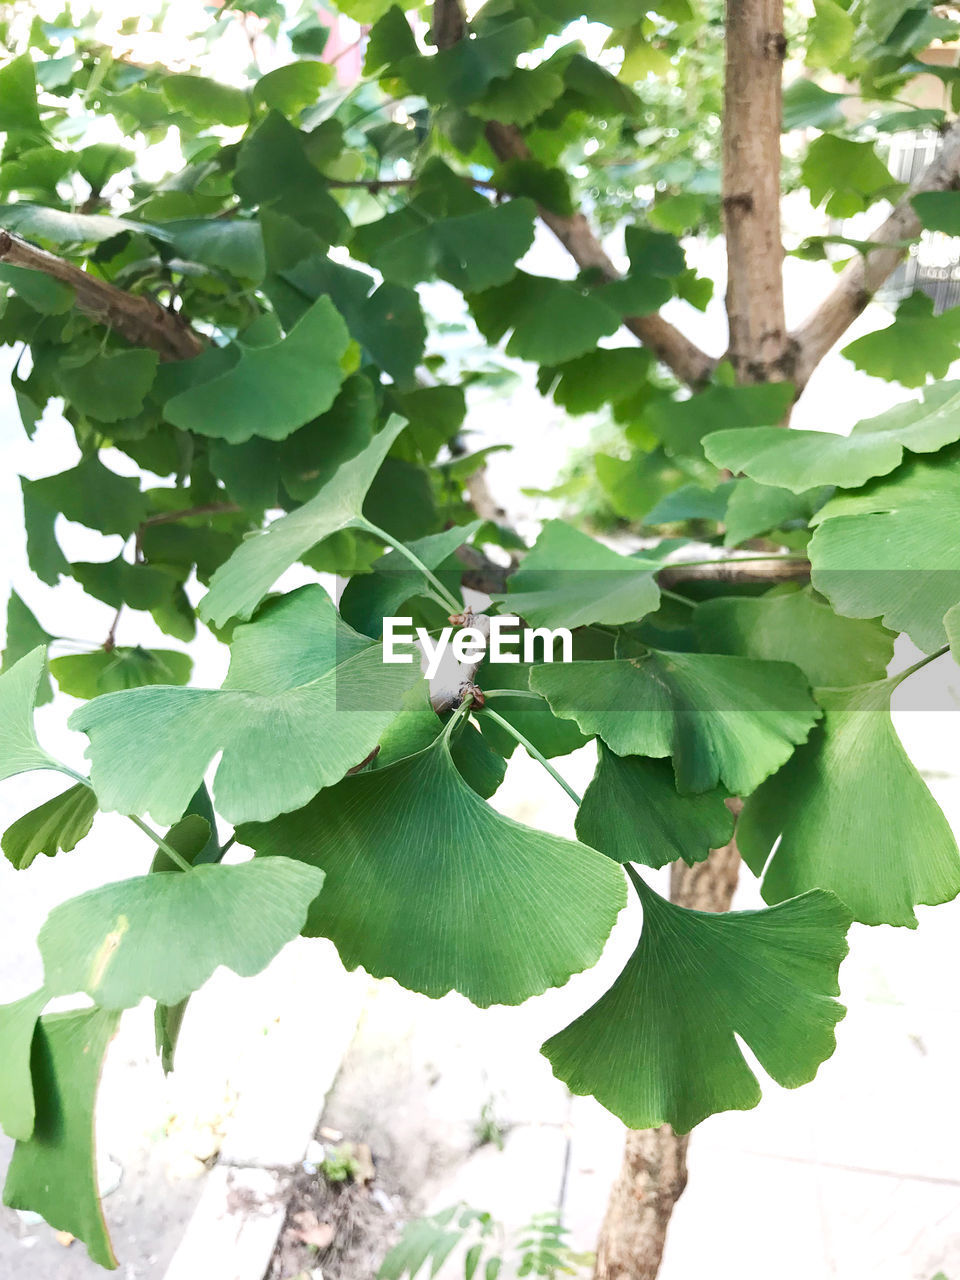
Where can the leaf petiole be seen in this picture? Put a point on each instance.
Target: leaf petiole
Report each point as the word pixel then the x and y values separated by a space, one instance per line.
pixel 512 693
pixel 924 661
pixel 177 858
pixel 457 716
pixel 532 750
pixel 446 598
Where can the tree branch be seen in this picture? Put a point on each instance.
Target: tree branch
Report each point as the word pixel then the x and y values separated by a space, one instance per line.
pixel 688 362
pixel 755 48
pixel 862 277
pixel 143 322
pixel 744 573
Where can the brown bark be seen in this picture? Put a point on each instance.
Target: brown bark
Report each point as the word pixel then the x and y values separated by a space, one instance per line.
pixel 862 277
pixel 755 47
pixel 738 573
pixel 143 322
pixel 653 1174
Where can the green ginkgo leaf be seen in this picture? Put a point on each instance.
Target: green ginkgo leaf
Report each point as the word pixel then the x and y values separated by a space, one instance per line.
pixel 461 74
pixel 19 749
pixel 272 390
pixel 235 244
pixel 55 1172
pixel 661 1046
pixel 570 580
pixel 241 582
pixel 800 460
pixel 682 425
pixel 24 633
pixel 162 935
pixel 110 386
pixel 290 88
pixel 917 344
pixel 93 495
pixel 86 675
pixel 305 699
pixel 855 817
pixel 18 97
pixel 891 550
pixel 17 1024
pixel 206 101
pixel 951 624
pixel 54 826
pixel 519 97
pixel 632 812
pixel 473 249
pixel 757 508
pixel 796 625
pixel 552 321
pixel 722 719
pixel 427 884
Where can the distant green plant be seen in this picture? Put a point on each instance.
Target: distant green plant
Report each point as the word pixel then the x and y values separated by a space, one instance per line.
pixel 488 1128
pixel 340 1165
pixel 540 1251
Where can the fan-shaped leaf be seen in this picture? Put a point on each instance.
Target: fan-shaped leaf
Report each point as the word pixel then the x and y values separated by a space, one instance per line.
pixel 682 425
pixel 19 749
pixel 757 508
pixel 55 1173
pixel 722 719
pixel 552 320
pixel 162 935
pixel 17 1024
pixel 632 812
pixel 271 390
pixel 569 580
pixel 427 884
pixel 110 386
pixel 796 625
pixel 799 460
pixel 306 698
pixel 57 824
pixel 660 1046
pixel 24 633
pixel 93 495
pixel 917 344
pixel 240 584
pixel 855 817
pixel 86 675
pixel 892 550
pixel 461 74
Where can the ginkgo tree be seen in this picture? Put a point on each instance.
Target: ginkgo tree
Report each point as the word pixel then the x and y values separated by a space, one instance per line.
pixel 251 332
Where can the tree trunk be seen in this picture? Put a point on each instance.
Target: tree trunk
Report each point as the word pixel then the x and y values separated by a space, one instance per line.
pixel 752 110
pixel 654 1170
